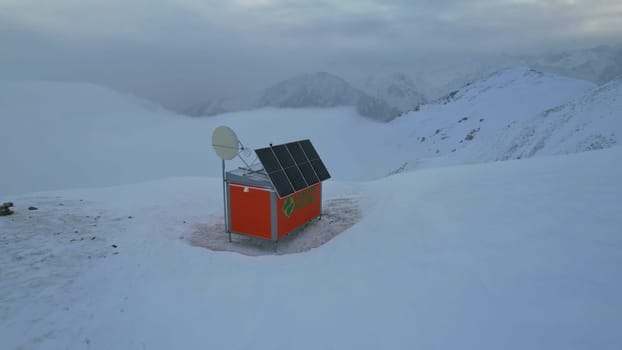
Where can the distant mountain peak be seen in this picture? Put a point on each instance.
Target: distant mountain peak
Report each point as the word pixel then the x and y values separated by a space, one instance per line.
pixel 319 89
pixel 397 89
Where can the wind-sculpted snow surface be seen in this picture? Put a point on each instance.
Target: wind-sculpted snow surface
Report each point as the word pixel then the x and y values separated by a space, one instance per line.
pixel 507 255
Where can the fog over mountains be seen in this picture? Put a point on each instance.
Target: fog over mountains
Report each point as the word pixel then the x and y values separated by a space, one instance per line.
pixel 512 113
pixel 598 64
pixel 385 96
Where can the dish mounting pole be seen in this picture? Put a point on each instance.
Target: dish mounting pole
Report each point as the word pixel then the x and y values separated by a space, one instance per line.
pixel 227 146
pixel 224 200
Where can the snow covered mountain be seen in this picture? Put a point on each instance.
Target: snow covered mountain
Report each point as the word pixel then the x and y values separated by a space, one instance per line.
pixel 480 111
pixel 397 90
pixel 310 90
pixel 321 90
pixel 590 122
pixel 326 90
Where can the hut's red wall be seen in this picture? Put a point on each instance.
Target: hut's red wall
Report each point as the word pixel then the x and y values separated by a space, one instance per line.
pixel 250 210
pixel 297 209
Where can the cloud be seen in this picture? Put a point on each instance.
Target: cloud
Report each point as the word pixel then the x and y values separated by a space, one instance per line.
pixel 337 22
pixel 223 46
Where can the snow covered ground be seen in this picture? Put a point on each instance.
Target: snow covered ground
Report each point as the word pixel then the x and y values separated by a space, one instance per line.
pixel 516 254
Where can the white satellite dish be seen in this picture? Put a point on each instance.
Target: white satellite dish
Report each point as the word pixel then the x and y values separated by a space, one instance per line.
pixel 225 142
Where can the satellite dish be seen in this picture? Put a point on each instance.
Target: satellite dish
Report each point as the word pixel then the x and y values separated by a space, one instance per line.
pixel 225 143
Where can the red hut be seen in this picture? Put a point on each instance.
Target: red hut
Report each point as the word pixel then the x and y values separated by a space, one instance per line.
pixel 271 199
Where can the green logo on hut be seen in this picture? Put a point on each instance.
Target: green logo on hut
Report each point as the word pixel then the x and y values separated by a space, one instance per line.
pixel 288 206
pixel 298 201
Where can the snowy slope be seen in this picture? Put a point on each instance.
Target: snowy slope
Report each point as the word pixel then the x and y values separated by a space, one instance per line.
pixel 70 134
pixel 480 110
pixel 509 255
pixel 591 122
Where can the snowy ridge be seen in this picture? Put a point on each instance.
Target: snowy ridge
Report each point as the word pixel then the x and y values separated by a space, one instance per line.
pixel 480 110
pixel 75 134
pixel 86 100
pixel 590 122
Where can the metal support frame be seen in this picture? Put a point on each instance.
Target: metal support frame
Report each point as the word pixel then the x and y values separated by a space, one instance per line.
pixel 225 201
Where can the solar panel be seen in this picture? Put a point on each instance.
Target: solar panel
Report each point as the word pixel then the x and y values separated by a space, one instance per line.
pixel 307 146
pixel 308 173
pixel 268 159
pixel 282 154
pixel 320 169
pixel 295 177
pixel 293 166
pixel 314 158
pixel 281 183
pixel 296 151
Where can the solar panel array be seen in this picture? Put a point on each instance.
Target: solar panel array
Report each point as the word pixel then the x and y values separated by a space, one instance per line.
pixel 292 166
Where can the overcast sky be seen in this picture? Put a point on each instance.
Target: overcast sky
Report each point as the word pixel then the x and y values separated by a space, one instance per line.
pixel 177 51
